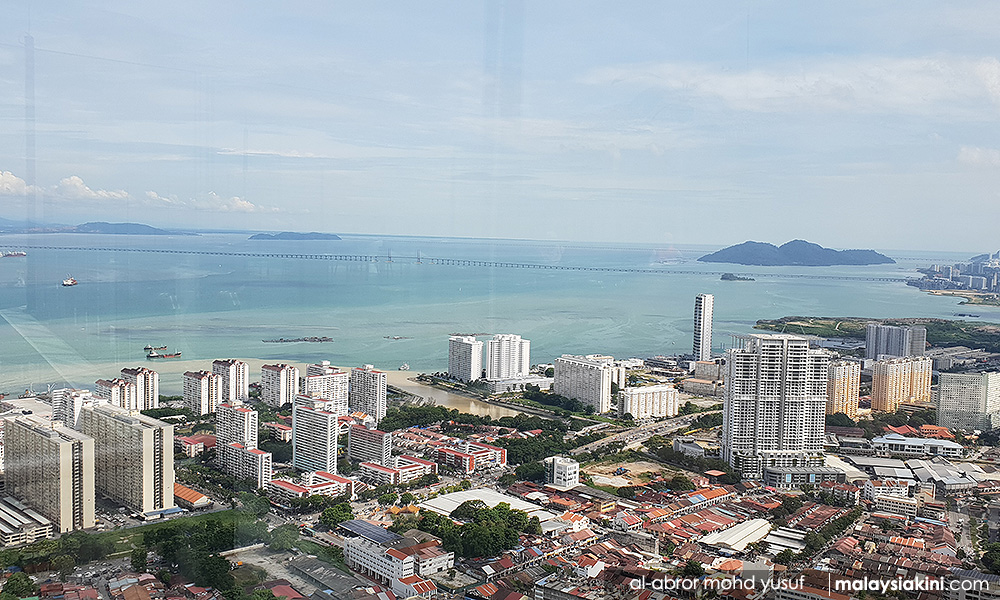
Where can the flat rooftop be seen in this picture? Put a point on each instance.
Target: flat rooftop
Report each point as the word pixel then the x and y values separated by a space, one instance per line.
pixel 447 503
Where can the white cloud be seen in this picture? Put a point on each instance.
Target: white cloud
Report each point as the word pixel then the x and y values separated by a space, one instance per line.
pixel 863 84
pixel 210 202
pixel 984 157
pixel 12 185
pixel 74 188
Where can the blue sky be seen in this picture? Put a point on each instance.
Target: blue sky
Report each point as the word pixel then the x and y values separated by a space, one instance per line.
pixel 852 124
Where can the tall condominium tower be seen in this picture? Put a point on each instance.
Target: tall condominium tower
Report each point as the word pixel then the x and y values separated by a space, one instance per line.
pixel 775 401
pixel 369 445
pixel 134 457
pixel 507 357
pixel 236 444
pixel 202 391
pixel 328 383
pixel 118 392
pixel 147 386
pixel 235 379
pixel 279 384
pixel 236 423
pixel 588 379
pixel 842 386
pixel 890 340
pixel 703 304
pixel 368 392
pixel 969 401
pixel 898 380
pixel 314 435
pixel 66 405
pixel 51 469
pixel 465 358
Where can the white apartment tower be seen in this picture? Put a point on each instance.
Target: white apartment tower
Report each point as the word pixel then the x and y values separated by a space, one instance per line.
pixel 368 392
pixel 202 391
pixel 236 423
pixel 587 379
pixel 969 401
pixel 314 435
pixel 843 384
pixel 561 472
pixel 235 379
pixel 51 469
pixel 117 392
pixel 328 383
pixel 236 443
pixel 891 340
pixel 134 457
pixel 703 305
pixel 147 386
pixel 66 405
pixel 465 358
pixel 649 402
pixel 775 402
pixel 369 445
pixel 507 357
pixel 279 384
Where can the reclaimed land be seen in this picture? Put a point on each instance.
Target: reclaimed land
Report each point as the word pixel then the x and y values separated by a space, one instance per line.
pixel 940 332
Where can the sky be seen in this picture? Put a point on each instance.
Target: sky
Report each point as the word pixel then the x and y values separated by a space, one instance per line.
pixel 849 124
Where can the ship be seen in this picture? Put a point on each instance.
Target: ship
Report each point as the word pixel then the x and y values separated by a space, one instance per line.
pixel 404 367
pixel 150 347
pixel 13 254
pixel 154 355
pixel 69 281
pixel 734 277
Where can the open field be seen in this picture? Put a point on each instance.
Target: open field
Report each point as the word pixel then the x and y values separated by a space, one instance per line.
pixel 940 332
pixel 638 472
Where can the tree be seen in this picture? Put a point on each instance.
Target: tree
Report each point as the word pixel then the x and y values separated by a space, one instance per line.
pixel 64 564
pixel 507 479
pixel 138 559
pixel 254 504
pixel 407 498
pixel 468 510
pixel 839 420
pixel 550 372
pixel 693 568
pixel 263 595
pixel 20 585
pixel 335 515
pixel 465 484
pixel 213 571
pixel 785 557
pixel 388 499
pixel 532 471
pixel 283 537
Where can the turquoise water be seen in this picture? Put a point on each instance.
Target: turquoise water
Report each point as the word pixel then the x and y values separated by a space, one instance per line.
pixel 211 306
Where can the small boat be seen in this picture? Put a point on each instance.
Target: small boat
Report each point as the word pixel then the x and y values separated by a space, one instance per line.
pixel 154 355
pixel 69 281
pixel 13 254
pixel 404 367
pixel 149 347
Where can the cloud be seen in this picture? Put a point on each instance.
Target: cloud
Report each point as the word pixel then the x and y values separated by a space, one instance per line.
pixel 210 202
pixel 12 185
pixel 982 157
pixel 74 188
pixel 860 84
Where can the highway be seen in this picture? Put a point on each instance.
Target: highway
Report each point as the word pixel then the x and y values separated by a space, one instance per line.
pixel 637 435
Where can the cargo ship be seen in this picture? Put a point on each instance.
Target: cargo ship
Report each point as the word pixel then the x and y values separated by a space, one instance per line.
pixel 13 254
pixel 69 281
pixel 154 355
pixel 151 347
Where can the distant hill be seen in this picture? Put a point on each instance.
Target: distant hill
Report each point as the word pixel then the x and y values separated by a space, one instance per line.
pixel 121 229
pixel 293 236
pixel 793 253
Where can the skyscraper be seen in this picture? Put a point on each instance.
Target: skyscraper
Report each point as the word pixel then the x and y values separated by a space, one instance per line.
pixel 118 392
pixel 465 358
pixel 202 391
pixel 773 414
pixel 147 386
pixel 314 435
pixel 842 388
pixel 134 457
pixel 969 401
pixel 507 357
pixel 279 384
pixel 66 405
pixel 588 379
pixel 236 444
pixel 235 379
pixel 898 380
pixel 703 305
pixel 891 340
pixel 330 384
pixel 52 470
pixel 368 392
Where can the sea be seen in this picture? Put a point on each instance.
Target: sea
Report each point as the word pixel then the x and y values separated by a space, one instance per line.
pixel 391 301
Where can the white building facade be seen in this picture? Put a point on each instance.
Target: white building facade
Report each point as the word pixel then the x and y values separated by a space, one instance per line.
pixel 587 379
pixel 314 435
pixel 368 390
pixel 235 378
pixel 465 358
pixel 649 402
pixel 507 357
pixel 202 392
pixel 147 386
pixel 969 401
pixel 704 305
pixel 279 384
pixel 332 385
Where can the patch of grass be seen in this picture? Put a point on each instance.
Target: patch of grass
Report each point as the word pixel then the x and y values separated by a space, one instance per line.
pixel 323 553
pixel 126 539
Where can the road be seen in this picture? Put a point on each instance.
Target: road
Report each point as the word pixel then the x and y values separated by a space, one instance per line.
pixel 637 435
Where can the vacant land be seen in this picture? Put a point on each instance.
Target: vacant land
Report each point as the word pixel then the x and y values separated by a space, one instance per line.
pixel 639 472
pixel 940 332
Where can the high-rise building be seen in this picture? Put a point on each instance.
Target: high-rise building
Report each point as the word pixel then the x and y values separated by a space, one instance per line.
pixel 369 445
pixel 66 405
pixel 247 463
pixel 465 358
pixel 202 391
pixel 314 435
pixel 843 383
pixel 51 468
pixel 898 380
pixel 134 457
pixel 891 340
pixel 703 305
pixel 775 401
pixel 235 376
pixel 588 379
pixel 117 392
pixel 368 392
pixel 147 386
pixel 561 472
pixel 279 384
pixel 507 357
pixel 236 444
pixel 236 423
pixel 649 402
pixel 969 401
pixel 328 383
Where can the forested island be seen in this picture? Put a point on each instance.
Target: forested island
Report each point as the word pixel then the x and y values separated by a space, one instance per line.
pixel 294 236
pixel 793 253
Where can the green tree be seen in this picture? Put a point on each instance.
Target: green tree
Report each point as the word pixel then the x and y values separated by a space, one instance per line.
pixel 138 559
pixel 263 595
pixel 213 571
pixel 693 568
pixel 388 499
pixel 507 479
pixel 407 498
pixel 532 471
pixel 64 564
pixel 283 537
pixel 785 557
pixel 335 515
pixel 839 420
pixel 20 585
pixel 465 484
pixel 254 504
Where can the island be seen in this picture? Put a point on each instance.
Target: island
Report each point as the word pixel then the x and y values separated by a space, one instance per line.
pixel 311 339
pixel 294 236
pixel 98 227
pixel 735 277
pixel 793 253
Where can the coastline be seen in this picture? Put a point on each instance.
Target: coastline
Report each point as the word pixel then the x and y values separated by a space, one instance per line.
pixel 970 298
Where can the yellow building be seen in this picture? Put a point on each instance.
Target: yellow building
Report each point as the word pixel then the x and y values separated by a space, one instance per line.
pixel 842 385
pixel 899 380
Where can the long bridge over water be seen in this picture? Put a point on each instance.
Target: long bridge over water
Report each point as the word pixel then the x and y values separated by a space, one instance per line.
pixel 457 262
